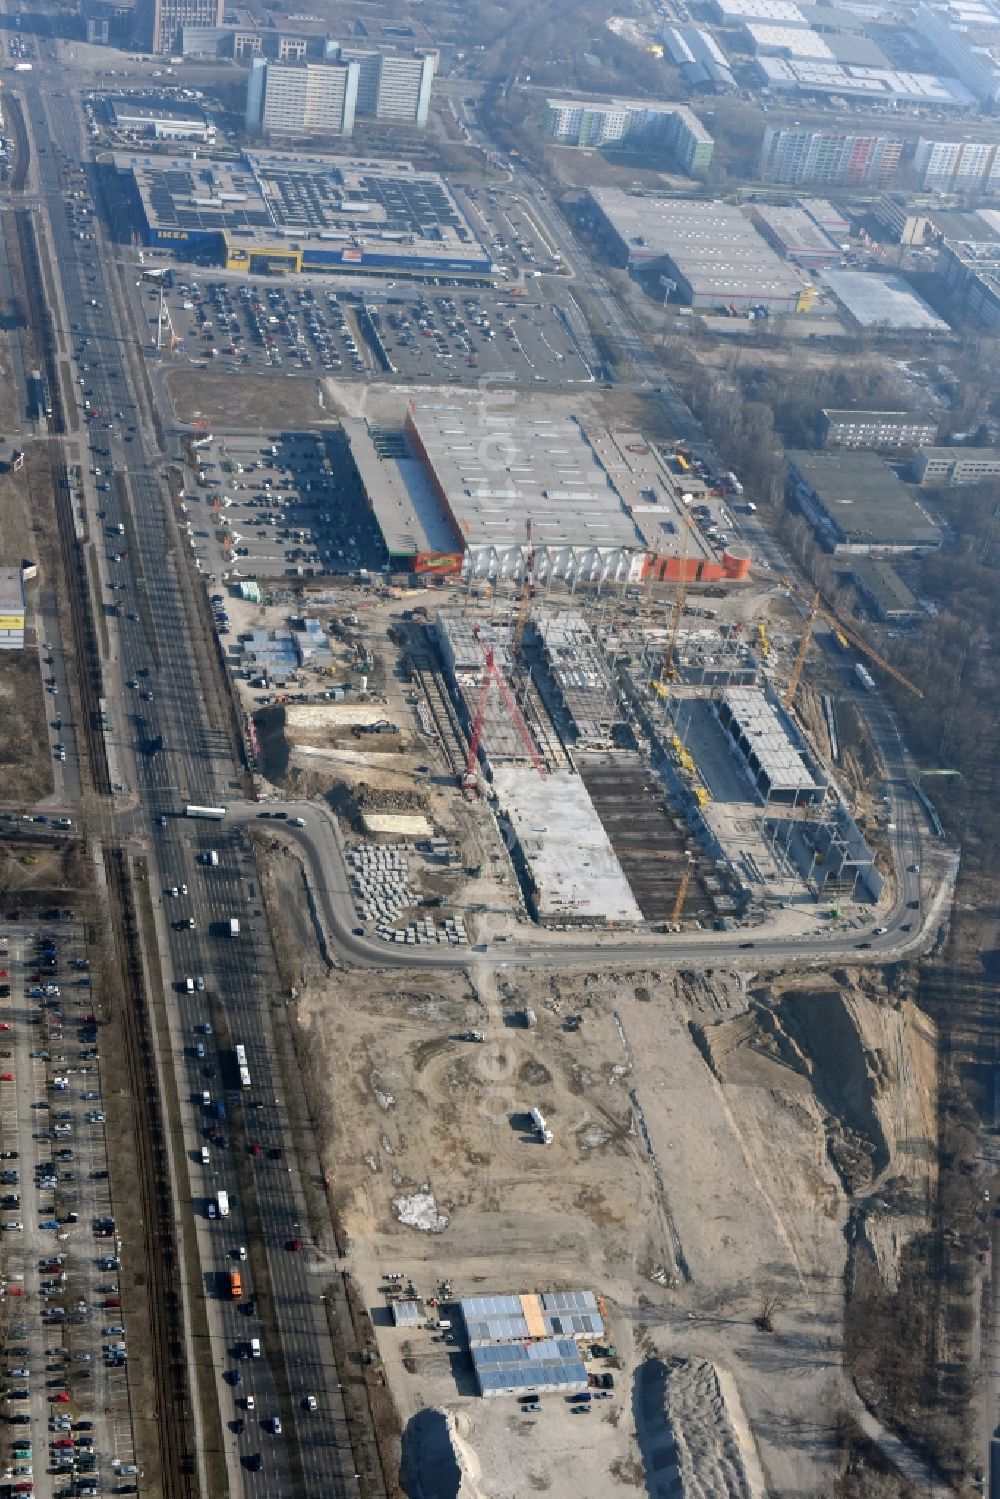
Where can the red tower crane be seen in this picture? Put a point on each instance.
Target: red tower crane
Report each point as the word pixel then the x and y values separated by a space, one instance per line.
pixel 491 674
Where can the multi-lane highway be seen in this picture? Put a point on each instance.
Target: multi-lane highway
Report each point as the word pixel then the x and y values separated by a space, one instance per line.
pixel 155 696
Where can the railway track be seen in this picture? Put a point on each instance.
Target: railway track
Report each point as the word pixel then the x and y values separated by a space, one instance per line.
pixel 178 1467
pixel 40 318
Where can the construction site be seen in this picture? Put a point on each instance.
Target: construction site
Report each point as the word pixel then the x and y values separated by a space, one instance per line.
pixel 634 760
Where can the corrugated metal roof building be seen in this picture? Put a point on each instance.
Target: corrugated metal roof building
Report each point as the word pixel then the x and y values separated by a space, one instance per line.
pixel 512 1319
pixel 549 1364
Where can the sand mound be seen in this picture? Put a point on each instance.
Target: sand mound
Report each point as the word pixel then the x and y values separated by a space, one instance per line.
pixel 437 1462
pixel 693 1434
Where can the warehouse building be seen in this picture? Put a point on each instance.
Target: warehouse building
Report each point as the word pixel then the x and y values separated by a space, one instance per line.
pixel 796 236
pixel 765 12
pixel 711 251
pixel 884 87
pixel 515 1319
pixel 966 36
pixel 496 466
pixel 700 59
pixel 792 156
pixel 884 591
pixel 857 504
pixel 672 128
pixel 799 42
pixel 548 1366
pixel 177 121
pixel 875 429
pixel 883 299
pixel 11 609
pixel 268 212
pixel 775 758
pixel 529 1345
pixel 454 487
pixel 934 465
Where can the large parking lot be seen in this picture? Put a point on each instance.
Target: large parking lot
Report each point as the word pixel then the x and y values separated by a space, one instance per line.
pixel 287 507
pixel 464 335
pixel 402 332
pixel 65 1396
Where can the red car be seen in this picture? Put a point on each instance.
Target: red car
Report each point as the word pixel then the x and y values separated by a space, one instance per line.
pixel 295 1245
pixel 6 1077
pixel 59 1398
pixel 62 1442
pixel 6 1026
pixel 255 1150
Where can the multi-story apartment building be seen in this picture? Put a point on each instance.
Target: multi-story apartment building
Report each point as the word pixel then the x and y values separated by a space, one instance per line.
pixel 957 166
pixel 391 85
pixel 303 97
pixel 796 156
pixel 602 122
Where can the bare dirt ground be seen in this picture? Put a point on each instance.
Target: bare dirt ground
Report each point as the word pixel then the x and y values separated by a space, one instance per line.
pixel 24 773
pixel 242 401
pixel 713 1144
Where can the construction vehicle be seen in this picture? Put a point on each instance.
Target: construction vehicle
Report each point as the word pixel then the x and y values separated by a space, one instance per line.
pixel 818 610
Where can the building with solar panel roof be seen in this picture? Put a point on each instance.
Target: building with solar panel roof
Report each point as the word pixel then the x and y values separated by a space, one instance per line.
pixel 270 211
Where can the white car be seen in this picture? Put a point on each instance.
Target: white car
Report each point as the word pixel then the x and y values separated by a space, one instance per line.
pixel 310 1402
pixel 250 1403
pixel 174 890
pixel 11 1228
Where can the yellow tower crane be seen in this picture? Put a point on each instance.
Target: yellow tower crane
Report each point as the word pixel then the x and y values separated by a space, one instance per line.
pixel 682 890
pixel 818 611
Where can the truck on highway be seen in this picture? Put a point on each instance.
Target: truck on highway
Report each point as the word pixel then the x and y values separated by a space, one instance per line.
pixel 214 814
pixel 234 926
pixel 222 1203
pixel 235 1285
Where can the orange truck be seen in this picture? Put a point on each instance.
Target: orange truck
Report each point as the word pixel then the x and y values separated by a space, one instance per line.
pixel 235 1285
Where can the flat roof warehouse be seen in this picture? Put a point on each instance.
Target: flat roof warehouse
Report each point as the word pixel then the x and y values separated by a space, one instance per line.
pixel 272 211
